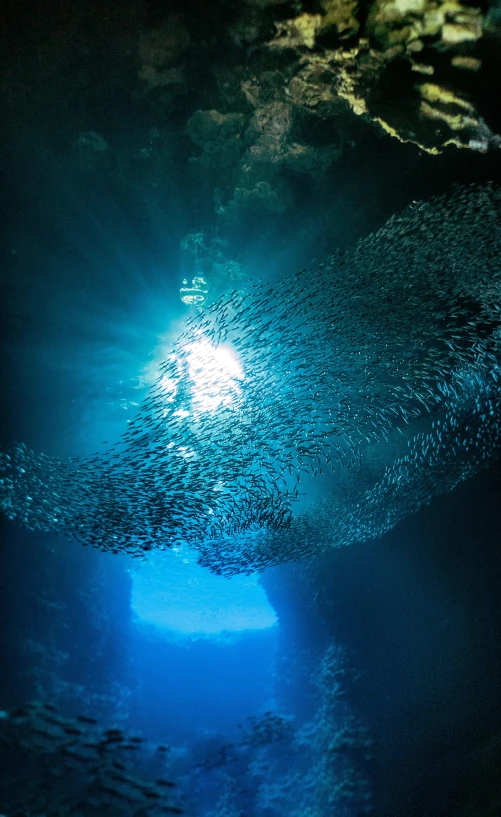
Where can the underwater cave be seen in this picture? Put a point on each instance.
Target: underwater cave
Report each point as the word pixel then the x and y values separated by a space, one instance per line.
pixel 250 409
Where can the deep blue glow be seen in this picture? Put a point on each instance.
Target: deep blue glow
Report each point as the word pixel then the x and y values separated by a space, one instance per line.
pixel 172 592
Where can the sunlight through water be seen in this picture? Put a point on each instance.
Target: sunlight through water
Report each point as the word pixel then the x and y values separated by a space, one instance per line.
pixel 173 593
pixel 211 372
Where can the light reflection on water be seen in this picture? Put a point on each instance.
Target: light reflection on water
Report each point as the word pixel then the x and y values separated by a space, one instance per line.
pixel 173 593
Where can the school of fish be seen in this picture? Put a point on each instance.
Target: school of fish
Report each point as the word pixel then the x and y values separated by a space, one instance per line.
pixel 52 764
pixel 305 414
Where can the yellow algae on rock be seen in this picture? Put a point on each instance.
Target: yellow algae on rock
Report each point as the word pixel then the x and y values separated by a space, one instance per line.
pixel 391 131
pixel 299 32
pixel 469 30
pixel 455 122
pixel 422 68
pixel 466 63
pixel 377 75
pixel 340 16
pixel 435 93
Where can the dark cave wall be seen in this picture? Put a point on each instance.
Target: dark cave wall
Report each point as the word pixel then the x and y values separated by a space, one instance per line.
pixel 67 617
pixel 419 616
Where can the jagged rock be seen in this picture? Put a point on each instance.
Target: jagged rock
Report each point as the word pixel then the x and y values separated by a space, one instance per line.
pixel 379 75
pixel 307 159
pixel 212 126
pixel 270 125
pixel 338 17
pixel 301 32
pixel 259 95
pixel 261 201
pixel 219 135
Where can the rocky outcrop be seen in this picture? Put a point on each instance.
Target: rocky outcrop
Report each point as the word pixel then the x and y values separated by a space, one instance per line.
pixel 414 68
pixel 246 109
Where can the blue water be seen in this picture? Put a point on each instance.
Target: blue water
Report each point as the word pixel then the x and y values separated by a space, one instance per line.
pixel 171 592
pixel 364 681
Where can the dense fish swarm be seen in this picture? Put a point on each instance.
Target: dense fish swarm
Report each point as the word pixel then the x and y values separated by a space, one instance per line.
pixel 254 443
pixel 56 765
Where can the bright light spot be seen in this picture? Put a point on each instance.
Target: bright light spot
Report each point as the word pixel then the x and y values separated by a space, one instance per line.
pixel 173 593
pixel 215 373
